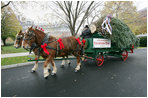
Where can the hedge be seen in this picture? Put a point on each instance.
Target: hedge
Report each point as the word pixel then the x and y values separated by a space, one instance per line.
pixel 143 41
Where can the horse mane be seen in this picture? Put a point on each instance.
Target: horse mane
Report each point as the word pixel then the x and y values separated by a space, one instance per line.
pixel 21 32
pixel 51 37
pixel 38 30
pixel 41 34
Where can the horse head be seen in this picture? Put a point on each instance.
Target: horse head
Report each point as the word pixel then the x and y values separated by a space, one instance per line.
pixel 29 38
pixel 18 40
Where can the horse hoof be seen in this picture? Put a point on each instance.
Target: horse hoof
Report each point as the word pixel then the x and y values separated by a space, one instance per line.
pixel 69 64
pixel 62 66
pixel 76 70
pixel 33 71
pixel 53 74
pixel 46 77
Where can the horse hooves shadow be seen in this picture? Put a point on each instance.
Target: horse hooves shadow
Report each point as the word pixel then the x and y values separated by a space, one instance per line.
pixel 76 71
pixel 53 74
pixel 69 64
pixel 46 77
pixel 32 71
pixel 62 66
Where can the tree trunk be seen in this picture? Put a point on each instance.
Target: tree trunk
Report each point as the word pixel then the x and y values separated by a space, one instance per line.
pixel 4 41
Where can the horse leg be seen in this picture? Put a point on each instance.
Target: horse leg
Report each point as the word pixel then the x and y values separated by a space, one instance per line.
pixel 68 61
pixel 49 67
pixel 78 64
pixel 63 63
pixel 46 73
pixel 35 67
pixel 54 68
pixel 83 58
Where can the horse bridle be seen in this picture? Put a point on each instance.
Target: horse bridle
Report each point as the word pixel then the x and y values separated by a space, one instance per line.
pixel 30 36
pixel 33 45
pixel 18 38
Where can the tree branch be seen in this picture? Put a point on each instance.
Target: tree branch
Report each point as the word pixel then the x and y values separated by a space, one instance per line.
pixel 6 4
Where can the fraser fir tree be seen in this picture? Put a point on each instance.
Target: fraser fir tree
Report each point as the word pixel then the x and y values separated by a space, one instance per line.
pixel 122 37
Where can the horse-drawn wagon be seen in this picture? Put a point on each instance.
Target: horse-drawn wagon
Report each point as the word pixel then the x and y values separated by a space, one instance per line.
pixel 97 47
pixel 112 37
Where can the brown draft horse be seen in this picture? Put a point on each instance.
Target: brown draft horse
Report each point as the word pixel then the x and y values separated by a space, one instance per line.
pixel 18 44
pixel 71 46
pixel 19 39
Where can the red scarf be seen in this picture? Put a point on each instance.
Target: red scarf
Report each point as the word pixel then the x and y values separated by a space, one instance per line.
pixel 78 40
pixel 44 48
pixel 60 42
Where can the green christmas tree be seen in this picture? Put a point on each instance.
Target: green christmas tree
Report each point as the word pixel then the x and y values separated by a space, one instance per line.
pixel 122 37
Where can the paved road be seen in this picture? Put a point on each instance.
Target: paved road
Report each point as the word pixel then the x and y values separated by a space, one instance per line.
pixel 114 78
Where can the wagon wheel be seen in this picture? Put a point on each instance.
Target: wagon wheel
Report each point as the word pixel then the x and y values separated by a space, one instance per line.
pixel 124 55
pixel 100 60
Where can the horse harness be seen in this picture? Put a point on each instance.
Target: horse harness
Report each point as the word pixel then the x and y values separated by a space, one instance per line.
pixel 45 40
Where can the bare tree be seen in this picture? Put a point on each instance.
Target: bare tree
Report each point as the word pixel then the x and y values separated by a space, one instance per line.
pixel 75 13
pixel 95 15
pixel 5 4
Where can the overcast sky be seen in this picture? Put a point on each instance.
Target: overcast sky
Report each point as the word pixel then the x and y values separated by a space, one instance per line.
pixel 141 4
pixel 37 14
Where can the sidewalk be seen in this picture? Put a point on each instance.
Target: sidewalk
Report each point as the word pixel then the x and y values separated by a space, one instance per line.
pixel 25 54
pixel 14 54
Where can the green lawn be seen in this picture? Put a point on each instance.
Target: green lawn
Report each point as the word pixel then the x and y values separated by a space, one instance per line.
pixel 14 60
pixel 11 49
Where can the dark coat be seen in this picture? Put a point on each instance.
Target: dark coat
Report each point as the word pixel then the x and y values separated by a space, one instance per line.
pixel 86 34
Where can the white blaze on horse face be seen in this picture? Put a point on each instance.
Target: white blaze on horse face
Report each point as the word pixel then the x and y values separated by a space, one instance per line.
pixel 15 42
pixel 27 30
pixel 25 43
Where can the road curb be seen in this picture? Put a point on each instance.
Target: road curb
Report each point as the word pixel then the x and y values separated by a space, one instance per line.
pixel 18 65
